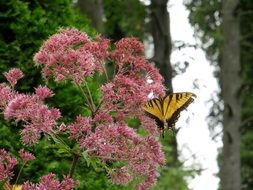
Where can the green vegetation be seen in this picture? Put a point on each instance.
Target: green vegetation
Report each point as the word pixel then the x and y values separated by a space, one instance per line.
pixel 23 28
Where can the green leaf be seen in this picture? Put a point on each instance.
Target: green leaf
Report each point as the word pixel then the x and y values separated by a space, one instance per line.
pixel 86 157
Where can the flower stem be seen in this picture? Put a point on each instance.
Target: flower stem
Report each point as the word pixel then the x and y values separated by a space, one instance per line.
pixel 86 98
pixel 92 102
pixel 105 71
pixel 19 173
pixel 73 165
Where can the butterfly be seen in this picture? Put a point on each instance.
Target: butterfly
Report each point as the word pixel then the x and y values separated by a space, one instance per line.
pixel 7 186
pixel 166 110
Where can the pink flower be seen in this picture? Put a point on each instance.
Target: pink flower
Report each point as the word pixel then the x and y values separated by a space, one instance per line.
pixel 125 49
pixel 7 163
pixel 68 183
pixel 38 118
pixel 50 182
pixel 6 94
pixel 26 156
pixel 102 117
pixel 105 135
pixel 149 124
pixel 120 176
pixel 71 54
pixel 102 142
pixel 149 181
pixel 155 150
pixel 15 108
pixel 80 129
pixel 30 134
pixel 43 92
pixel 99 49
pixel 118 142
pixel 128 133
pixel 13 76
pixel 135 79
pixel 124 94
pixel 127 94
pixel 145 155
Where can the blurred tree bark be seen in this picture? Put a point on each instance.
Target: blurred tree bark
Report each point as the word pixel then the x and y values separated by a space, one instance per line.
pixel 160 30
pixel 94 10
pixel 231 84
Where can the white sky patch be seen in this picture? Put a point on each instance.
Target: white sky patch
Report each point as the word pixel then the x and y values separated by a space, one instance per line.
pixel 195 143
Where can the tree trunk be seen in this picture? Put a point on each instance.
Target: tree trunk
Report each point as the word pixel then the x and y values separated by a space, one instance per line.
pixel 230 84
pixel 160 29
pixel 94 10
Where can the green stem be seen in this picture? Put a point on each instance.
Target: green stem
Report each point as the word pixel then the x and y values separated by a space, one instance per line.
pixel 86 98
pixel 62 141
pixel 92 102
pixel 93 114
pixel 106 75
pixel 19 173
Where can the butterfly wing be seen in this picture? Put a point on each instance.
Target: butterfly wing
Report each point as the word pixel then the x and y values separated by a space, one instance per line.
pixel 155 110
pixel 7 186
pixel 174 103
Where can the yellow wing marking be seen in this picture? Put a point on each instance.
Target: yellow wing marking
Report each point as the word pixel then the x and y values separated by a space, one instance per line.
pixel 167 110
pixel 174 103
pixel 7 186
pixel 169 106
pixel 154 108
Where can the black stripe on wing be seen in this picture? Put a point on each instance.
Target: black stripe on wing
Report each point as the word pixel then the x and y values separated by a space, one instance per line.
pixel 159 123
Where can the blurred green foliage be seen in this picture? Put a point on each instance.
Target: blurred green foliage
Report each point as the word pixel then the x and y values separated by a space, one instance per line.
pixel 23 28
pixel 24 25
pixel 246 9
pixel 172 178
pixel 124 18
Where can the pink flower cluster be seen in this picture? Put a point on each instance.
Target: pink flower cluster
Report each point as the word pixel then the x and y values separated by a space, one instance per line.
pixel 13 76
pixel 80 129
pixel 6 94
pixel 26 156
pixel 50 182
pixel 35 115
pixel 7 162
pixel 71 54
pixel 29 109
pixel 119 143
pixel 120 175
pixel 127 93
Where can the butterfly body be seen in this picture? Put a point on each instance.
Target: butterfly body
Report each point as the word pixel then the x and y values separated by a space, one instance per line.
pixel 166 110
